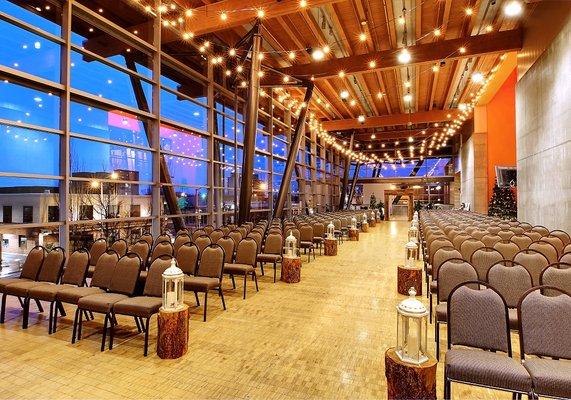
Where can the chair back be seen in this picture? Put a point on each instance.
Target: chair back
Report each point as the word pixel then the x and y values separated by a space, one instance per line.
pixel 544 323
pixel 505 234
pixel 165 237
pixel 258 238
pixel 493 229
pixel 126 275
pixel 451 274
pixel 517 230
pixel 216 234
pixel 225 229
pixel 211 262
pixel 141 248
pixel 76 269
pixel 120 246
pixel 246 252
pixel 202 242
pixel 306 233
pixel 187 258
pixel 521 240
pixel 511 280
pixel 318 230
pixel 33 263
pixel 442 255
pixel 236 236
pixel 469 246
pixel 557 275
pixel 545 248
pixel 459 239
pixel 273 244
pixel 533 261
pixel 556 242
pixel 163 248
pixel 243 230
pixel 565 258
pixel 542 230
pixel 478 318
pixel 535 236
pixel 53 266
pixel 434 245
pixel 490 239
pixel 104 269
pixel 154 281
pixel 507 248
pixel 228 244
pixel 564 236
pixel 180 240
pixel 97 249
pixel 208 229
pixel 147 237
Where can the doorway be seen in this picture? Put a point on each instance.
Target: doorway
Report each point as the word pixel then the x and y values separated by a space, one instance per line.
pixel 399 205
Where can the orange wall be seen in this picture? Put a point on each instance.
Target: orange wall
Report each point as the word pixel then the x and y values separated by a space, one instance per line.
pixel 501 129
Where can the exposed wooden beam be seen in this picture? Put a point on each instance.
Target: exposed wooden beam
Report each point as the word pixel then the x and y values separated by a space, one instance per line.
pixel 394 135
pixel 498 42
pixel 390 120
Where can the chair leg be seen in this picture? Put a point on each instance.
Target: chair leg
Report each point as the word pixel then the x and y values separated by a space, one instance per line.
pixel 3 310
pixel 112 330
pixel 75 322
pixel 430 305
pixel 51 321
pixel 39 305
pixel 447 388
pixel 245 280
pixel 221 294
pixel 205 304
pixel 437 339
pixel 138 325
pixel 54 323
pixel 275 272
pixel 80 325
pixel 61 309
pixel 104 337
pixel 147 337
pixel 197 301
pixel 233 282
pixel 262 268
pixel 256 280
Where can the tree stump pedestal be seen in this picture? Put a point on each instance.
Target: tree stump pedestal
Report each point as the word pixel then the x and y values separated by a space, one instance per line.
pixel 409 381
pixel 354 235
pixel 330 247
pixel 408 277
pixel 291 269
pixel 365 227
pixel 372 222
pixel 172 341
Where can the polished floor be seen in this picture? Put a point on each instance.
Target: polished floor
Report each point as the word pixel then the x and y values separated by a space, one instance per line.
pixel 322 338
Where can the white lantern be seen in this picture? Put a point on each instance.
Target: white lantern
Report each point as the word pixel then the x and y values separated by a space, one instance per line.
pixel 353 223
pixel 413 234
pixel 411 249
pixel 373 215
pixel 173 288
pixel 331 231
pixel 290 246
pixel 415 216
pixel 411 330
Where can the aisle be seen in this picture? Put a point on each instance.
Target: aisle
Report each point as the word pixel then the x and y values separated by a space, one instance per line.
pixel 321 338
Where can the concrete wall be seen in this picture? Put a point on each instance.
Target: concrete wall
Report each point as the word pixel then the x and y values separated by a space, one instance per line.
pixel 474 173
pixel 543 121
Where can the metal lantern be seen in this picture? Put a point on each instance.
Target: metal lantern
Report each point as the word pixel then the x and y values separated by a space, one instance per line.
pixel 365 217
pixel 415 216
pixel 411 253
pixel 173 288
pixel 373 215
pixel 290 246
pixel 353 223
pixel 413 234
pixel 411 330
pixel 331 231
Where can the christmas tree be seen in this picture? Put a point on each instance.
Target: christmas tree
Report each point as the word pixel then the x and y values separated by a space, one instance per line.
pixel 373 201
pixel 503 203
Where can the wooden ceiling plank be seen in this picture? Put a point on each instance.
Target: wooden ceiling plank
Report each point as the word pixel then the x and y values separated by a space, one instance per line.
pixel 390 120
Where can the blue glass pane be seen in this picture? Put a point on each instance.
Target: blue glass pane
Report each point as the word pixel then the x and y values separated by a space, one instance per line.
pixel 278 166
pixel 185 171
pixel 224 152
pixel 28 52
pixel 227 109
pixel 106 82
pixel 240 132
pixel 280 148
pixel 179 109
pixel 88 158
pixel 39 150
pixel 261 162
pixel 33 16
pixel 224 126
pixel 183 142
pixel 18 103
pixel 262 141
pixel 113 125
pixel 190 87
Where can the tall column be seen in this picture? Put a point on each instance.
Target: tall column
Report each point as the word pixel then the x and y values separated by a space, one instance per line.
pixel 346 175
pixel 353 183
pixel 292 154
pixel 251 126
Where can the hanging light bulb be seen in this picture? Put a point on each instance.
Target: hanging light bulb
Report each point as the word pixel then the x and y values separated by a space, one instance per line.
pixel 513 8
pixel 317 54
pixel 477 77
pixel 407 97
pixel 291 55
pixel 363 37
pixel 404 56
pixel 344 94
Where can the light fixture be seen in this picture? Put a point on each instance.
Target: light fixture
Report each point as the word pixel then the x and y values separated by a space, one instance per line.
pixel 317 54
pixel 404 56
pixel 489 28
pixel 469 11
pixel 462 50
pixel 341 74
pixel 363 37
pixel 477 77
pixel 410 139
pixel 437 32
pixel 513 8
pixel 261 13
pixel 435 68
pixel 402 20
pixel 223 16
pixel 361 119
pixel 291 55
pixel 188 13
pixel 303 3
pixel 344 94
pixel 286 79
pixel 373 136
pixel 232 52
pixel 352 103
pixel 372 64
pixel 407 97
pixel 326 49
pixel 407 84
pixel 379 95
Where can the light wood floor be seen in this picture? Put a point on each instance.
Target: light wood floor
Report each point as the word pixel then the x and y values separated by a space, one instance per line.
pixel 324 338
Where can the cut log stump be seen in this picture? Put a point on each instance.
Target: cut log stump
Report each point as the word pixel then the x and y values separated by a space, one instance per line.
pixel 409 381
pixel 172 340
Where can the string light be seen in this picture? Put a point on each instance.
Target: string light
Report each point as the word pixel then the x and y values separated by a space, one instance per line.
pixel 437 32
pixel 261 13
pixel 404 56
pixel 223 16
pixel 344 94
pixel 513 8
pixel 372 64
pixel 363 37
pixel 341 74
pixel 469 11
pixel 303 3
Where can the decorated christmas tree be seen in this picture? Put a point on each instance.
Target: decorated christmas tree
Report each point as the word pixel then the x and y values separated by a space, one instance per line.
pixel 373 201
pixel 503 203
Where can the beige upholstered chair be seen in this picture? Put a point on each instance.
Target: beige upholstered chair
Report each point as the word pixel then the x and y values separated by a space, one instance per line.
pixel 145 306
pixel 490 239
pixel 30 269
pixel 208 229
pixel 147 237
pixel 545 248
pixel 556 242
pixel 459 239
pixel 120 246
pixel 506 234
pixel 534 236
pixel 565 258
pixel 121 286
pixel 142 249
pixel 165 237
pixel 545 335
pixel 507 248
pixel 511 280
pixel 522 241
pixel 163 248
pixel 483 258
pixel 557 275
pixel 197 233
pixel 95 251
pixel 542 230
pixel 533 261
pixel 272 252
pixel 246 254
pixel 236 237
pixel 564 236
pixel 319 235
pixel 202 242
pixel 180 239
pixel 469 246
pixel 187 258
pixel 306 240
pixel 216 234
pixel 478 319
pixel 208 274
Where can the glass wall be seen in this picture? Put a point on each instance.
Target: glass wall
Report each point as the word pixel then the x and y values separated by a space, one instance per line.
pixel 103 133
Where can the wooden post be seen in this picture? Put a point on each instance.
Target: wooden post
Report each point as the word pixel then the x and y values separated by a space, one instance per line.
pixel 330 246
pixel 365 227
pixel 172 340
pixel 409 381
pixel 373 222
pixel 354 235
pixel 407 278
pixel 291 269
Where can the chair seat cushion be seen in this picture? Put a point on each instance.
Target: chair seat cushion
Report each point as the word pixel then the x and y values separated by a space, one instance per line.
pixel 512 314
pixel 139 306
pixel 263 257
pixel 318 239
pixel 550 377
pixel 200 283
pixel 238 269
pixel 47 291
pixel 9 281
pixel 486 368
pixel 21 288
pixel 72 295
pixel 305 244
pixel 442 312
pixel 101 302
